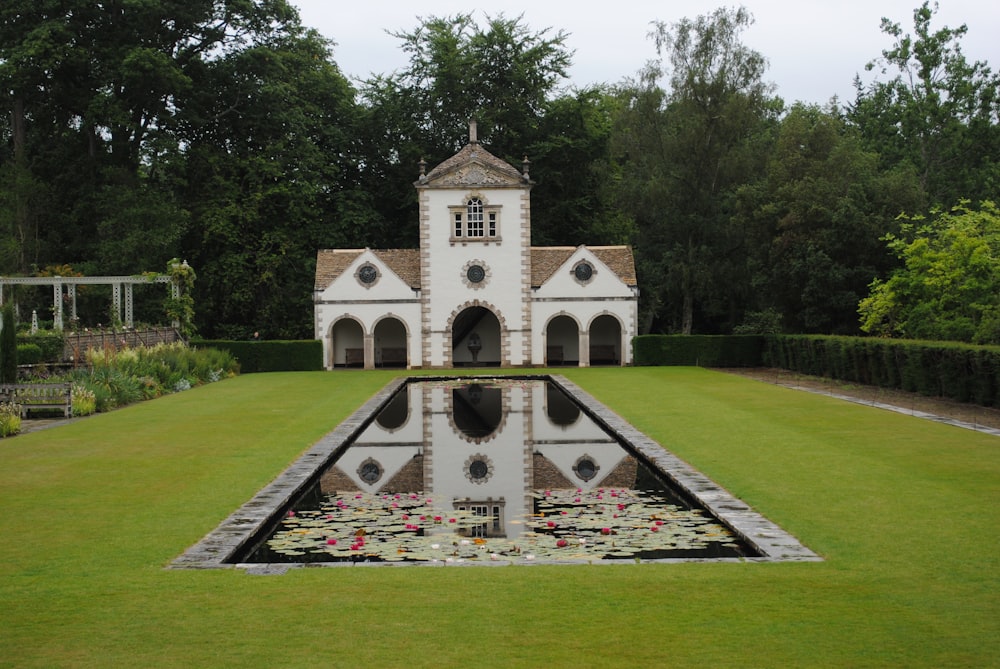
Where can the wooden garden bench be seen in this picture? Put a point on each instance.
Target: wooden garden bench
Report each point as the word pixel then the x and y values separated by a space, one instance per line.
pixel 553 355
pixel 354 356
pixel 39 396
pixel 394 357
pixel 603 354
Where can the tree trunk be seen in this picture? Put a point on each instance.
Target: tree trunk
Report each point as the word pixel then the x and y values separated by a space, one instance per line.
pixel 22 215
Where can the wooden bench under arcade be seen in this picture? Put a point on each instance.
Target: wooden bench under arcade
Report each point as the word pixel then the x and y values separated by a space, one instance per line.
pixel 603 354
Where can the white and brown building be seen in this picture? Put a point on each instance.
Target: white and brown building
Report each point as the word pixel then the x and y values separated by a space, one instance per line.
pixel 476 293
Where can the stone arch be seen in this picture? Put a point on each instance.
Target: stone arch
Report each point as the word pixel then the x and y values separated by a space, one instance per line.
pixel 391 341
pixel 488 324
pixel 561 338
pixel 477 413
pixel 606 334
pixel 347 342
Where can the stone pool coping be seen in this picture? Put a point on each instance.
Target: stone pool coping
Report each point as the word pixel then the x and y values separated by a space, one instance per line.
pixel 212 551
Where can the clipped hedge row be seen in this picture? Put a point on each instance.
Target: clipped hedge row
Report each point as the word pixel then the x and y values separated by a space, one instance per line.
pixel 49 343
pixel 700 350
pixel 271 356
pixel 957 371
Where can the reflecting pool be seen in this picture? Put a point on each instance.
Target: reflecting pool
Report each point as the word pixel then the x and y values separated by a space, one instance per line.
pixel 489 470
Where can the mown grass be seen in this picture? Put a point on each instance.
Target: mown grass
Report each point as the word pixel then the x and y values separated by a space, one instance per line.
pixel 905 512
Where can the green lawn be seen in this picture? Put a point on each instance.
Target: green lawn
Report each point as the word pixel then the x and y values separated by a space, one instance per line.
pixel 906 513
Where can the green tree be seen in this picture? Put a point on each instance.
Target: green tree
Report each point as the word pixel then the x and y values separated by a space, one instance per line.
pixel 95 93
pixel 271 174
pixel 938 113
pixel 814 223
pixel 8 344
pixel 949 285
pixel 684 153
pixel 501 74
pixel 573 199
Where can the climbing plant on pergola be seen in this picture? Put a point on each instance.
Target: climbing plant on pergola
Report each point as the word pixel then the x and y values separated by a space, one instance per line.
pixel 179 280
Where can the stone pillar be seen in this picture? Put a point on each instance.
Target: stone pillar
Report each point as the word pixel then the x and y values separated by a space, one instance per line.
pixel 584 348
pixel 71 291
pixel 369 351
pixel 129 320
pixel 57 312
pixel 116 304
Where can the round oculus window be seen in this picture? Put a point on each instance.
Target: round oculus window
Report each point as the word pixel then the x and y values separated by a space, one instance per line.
pixel 367 274
pixel 370 471
pixel 479 469
pixel 583 271
pixel 475 273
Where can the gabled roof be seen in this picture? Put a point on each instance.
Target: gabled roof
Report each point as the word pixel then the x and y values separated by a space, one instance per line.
pixel 331 263
pixel 546 260
pixel 405 263
pixel 473 152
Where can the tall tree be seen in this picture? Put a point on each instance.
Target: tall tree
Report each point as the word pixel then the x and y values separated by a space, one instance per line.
pixel 938 112
pixel 501 74
pixel 685 151
pixel 271 176
pixel 94 92
pixel 814 223
pixel 573 200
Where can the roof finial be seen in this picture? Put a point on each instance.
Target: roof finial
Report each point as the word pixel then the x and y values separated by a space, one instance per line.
pixel 473 138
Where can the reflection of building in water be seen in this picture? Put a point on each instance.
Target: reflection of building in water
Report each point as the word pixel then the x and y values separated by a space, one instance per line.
pixel 483 448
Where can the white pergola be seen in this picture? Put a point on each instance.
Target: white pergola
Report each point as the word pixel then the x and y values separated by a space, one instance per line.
pixel 121 291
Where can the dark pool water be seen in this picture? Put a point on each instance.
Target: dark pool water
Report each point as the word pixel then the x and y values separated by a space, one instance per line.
pixel 488 470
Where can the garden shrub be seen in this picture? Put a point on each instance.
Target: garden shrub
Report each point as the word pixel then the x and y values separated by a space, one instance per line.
pixel 51 343
pixel 271 355
pixel 962 372
pixel 117 378
pixel 84 400
pixel 29 354
pixel 701 350
pixel 10 419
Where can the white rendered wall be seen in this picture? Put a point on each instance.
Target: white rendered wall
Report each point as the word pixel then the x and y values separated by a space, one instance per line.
pixel 345 297
pixel 604 294
pixel 445 260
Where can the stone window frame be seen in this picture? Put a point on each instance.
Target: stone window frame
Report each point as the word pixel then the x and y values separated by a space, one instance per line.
pixel 576 277
pixel 467 218
pixel 488 274
pixel 370 284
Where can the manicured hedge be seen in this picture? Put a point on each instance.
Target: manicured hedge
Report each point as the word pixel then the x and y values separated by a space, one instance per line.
pixel 961 372
pixel 50 343
pixel 271 356
pixel 701 350
pixel 28 354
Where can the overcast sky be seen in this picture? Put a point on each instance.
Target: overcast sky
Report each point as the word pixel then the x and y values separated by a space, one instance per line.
pixel 814 47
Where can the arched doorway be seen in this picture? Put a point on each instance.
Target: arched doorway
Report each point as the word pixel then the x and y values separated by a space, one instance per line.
pixel 348 343
pixel 605 341
pixel 390 343
pixel 562 342
pixel 476 338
